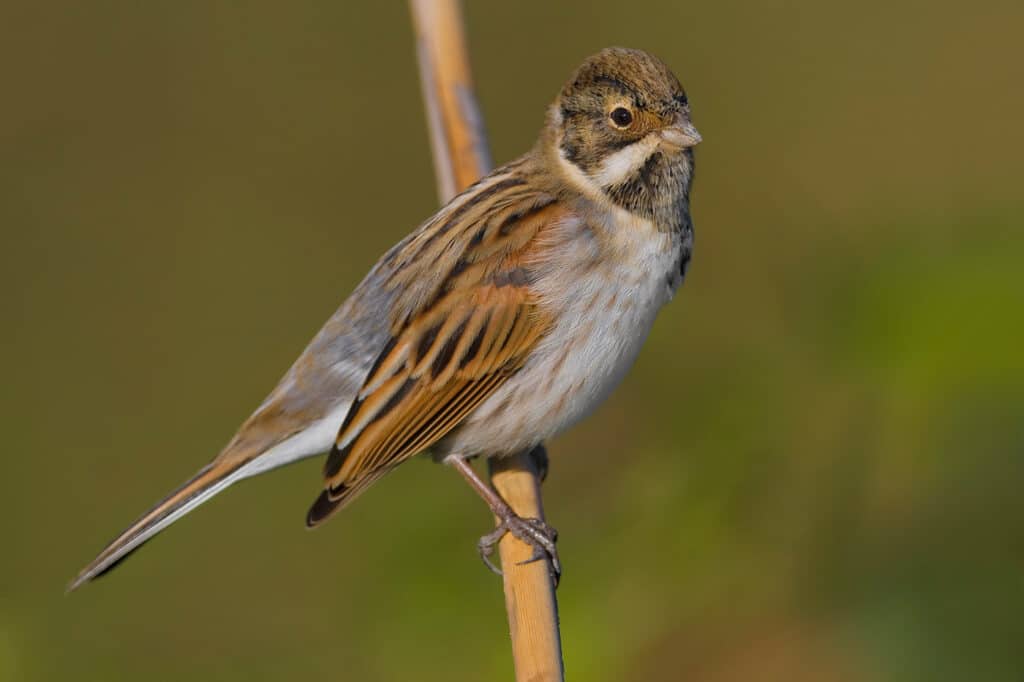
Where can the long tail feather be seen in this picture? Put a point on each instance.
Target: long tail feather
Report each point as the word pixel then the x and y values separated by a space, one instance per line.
pixel 210 480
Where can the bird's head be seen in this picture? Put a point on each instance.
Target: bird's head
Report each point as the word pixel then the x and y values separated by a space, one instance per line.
pixel 621 125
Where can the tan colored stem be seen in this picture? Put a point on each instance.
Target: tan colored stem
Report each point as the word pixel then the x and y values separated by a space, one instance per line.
pixel 529 590
pixel 460 157
pixel 456 126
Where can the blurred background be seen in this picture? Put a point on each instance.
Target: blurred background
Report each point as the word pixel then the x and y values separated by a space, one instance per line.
pixel 812 473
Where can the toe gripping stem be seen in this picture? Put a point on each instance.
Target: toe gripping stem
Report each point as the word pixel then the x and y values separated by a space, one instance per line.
pixel 532 531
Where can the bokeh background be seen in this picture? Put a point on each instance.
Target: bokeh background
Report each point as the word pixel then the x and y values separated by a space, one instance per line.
pixel 814 471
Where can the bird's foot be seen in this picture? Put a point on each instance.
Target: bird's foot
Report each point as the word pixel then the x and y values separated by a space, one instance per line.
pixel 534 532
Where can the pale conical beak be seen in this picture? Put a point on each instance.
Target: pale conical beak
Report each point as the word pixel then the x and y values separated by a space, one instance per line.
pixel 681 135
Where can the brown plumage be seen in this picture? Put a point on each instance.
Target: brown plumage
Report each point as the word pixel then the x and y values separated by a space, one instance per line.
pixel 457 333
pixel 500 321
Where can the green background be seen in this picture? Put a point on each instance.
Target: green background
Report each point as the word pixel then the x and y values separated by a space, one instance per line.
pixel 813 472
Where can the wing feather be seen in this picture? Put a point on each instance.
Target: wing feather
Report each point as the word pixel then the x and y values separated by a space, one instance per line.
pixel 454 341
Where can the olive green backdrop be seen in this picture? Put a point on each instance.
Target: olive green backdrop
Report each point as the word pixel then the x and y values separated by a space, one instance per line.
pixel 813 472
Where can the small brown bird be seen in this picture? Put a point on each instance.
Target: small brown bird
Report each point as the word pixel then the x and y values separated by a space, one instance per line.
pixel 502 320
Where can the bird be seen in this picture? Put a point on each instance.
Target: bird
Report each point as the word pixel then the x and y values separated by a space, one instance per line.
pixel 502 320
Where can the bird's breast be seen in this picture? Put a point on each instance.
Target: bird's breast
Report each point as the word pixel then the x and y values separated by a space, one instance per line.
pixel 604 293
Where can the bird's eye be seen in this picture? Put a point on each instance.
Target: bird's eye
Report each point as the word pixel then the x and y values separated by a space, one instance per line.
pixel 621 117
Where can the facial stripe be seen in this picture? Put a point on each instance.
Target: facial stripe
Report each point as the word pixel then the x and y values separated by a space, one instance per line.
pixel 624 164
pixel 577 177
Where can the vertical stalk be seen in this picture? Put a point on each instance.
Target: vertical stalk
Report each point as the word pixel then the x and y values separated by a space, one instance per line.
pixel 460 153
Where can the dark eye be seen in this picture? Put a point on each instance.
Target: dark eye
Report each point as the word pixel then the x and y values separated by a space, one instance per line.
pixel 621 117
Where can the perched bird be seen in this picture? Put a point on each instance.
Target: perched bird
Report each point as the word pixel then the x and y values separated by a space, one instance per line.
pixel 499 322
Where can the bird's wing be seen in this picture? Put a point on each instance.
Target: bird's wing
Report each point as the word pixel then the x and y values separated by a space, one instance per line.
pixel 466 320
pixel 451 307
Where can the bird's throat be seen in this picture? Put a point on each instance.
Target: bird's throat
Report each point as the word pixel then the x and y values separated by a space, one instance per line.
pixel 643 179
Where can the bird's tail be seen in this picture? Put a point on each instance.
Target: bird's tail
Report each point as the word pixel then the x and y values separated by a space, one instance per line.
pixel 211 479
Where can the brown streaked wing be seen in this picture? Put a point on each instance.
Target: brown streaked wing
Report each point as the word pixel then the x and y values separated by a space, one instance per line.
pixel 450 354
pixel 453 366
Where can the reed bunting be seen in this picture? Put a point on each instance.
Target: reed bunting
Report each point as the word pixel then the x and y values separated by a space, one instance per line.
pixel 502 320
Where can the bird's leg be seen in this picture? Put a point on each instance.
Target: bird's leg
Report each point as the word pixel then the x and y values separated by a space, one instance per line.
pixel 539 455
pixel 534 532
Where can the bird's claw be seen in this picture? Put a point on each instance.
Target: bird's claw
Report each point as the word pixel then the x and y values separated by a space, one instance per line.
pixel 534 532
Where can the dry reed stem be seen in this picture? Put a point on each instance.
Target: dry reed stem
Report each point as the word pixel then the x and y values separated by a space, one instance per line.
pixel 460 157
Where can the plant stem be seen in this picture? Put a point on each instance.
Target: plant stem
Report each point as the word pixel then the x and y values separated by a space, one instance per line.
pixel 460 153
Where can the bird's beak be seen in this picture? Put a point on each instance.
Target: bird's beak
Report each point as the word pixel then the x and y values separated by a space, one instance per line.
pixel 681 134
